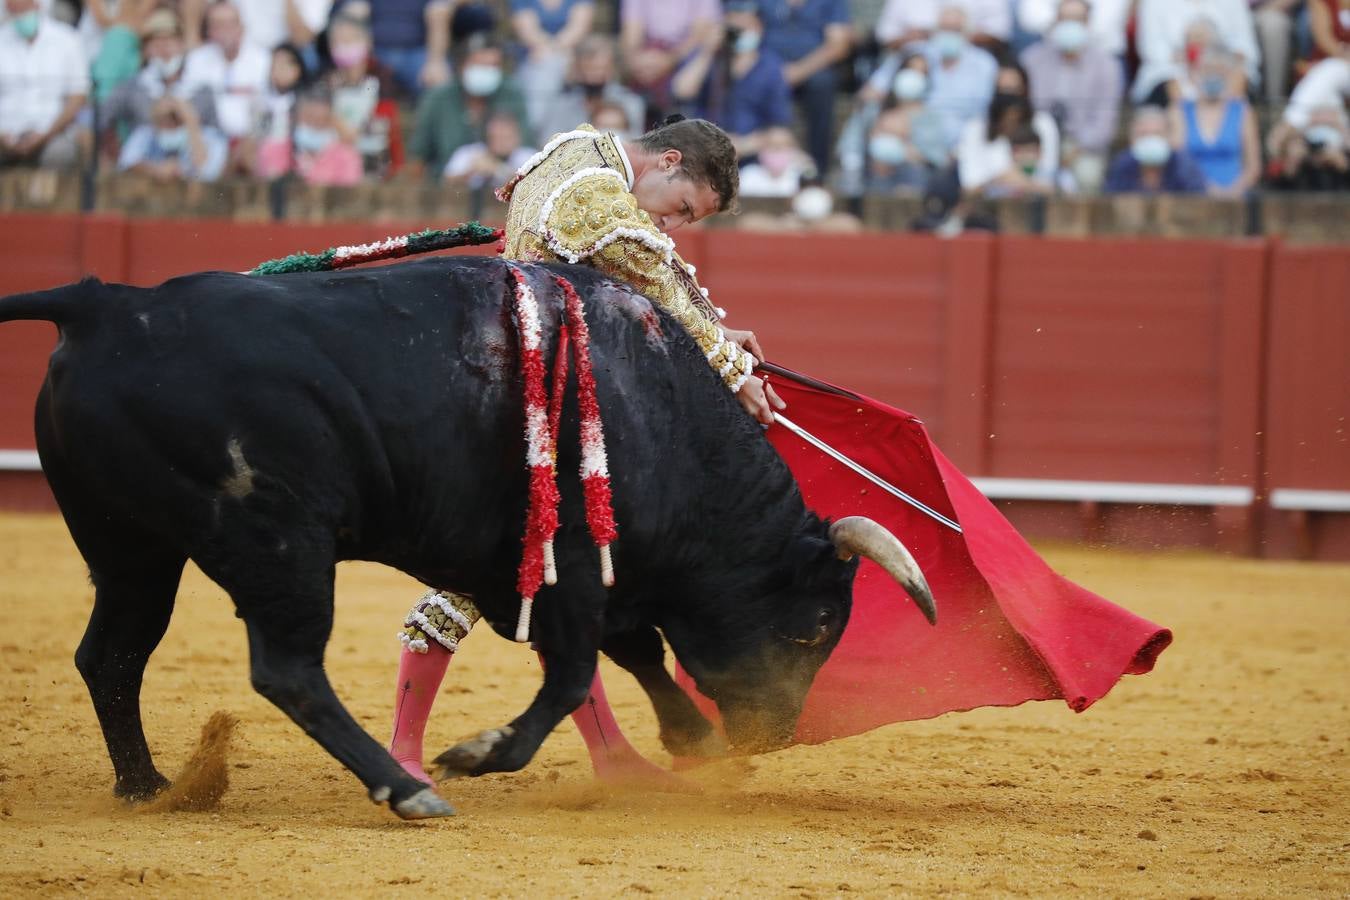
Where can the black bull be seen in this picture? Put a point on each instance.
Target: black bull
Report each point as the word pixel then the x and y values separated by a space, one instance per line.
pixel 267 427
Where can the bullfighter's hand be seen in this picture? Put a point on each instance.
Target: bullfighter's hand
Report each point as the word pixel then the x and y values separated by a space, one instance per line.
pixel 747 341
pixel 759 399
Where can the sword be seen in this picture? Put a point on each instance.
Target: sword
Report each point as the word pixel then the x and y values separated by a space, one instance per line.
pixel 839 457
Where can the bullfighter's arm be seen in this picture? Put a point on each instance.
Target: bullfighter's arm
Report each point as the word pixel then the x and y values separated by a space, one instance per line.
pixel 594 219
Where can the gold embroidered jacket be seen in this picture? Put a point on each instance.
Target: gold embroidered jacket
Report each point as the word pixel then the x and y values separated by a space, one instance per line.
pixel 572 202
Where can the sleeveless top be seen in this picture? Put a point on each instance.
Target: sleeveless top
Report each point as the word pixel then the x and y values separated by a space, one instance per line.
pixel 1220 160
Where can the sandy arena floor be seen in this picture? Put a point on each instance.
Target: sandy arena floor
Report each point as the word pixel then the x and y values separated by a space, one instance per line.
pixel 1221 774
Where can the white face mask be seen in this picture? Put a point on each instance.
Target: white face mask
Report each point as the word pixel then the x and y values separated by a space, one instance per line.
pixel 1151 150
pixel 1328 136
pixel 811 204
pixel 167 69
pixel 910 84
pixel 481 81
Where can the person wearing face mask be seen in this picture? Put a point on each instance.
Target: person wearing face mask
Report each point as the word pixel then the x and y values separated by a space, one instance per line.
pixel 779 166
pixel 321 148
pixel 174 145
pixel 1172 36
pixel 365 95
pixel 592 82
pixel 740 85
pixel 1315 158
pixel 960 75
pixel 1150 165
pixel 233 69
pixel 276 116
pixel 161 74
pixel 1080 84
pixel 456 114
pixel 44 83
pixel 1218 129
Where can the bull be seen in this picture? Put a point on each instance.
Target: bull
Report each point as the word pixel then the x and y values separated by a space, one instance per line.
pixel 268 427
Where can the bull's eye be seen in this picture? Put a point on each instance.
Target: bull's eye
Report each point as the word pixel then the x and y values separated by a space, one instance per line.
pixel 825 621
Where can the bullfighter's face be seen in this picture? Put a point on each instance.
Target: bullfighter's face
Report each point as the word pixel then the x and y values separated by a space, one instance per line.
pixel 670 196
pixel 758 655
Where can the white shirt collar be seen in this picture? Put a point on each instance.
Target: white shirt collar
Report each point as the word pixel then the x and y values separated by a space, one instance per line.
pixel 623 155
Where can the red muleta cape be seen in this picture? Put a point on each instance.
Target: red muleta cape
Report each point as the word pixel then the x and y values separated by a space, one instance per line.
pixel 1009 628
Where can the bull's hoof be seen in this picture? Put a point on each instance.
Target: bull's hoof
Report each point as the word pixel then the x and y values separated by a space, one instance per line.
pixel 470 757
pixel 708 745
pixel 141 789
pixel 425 804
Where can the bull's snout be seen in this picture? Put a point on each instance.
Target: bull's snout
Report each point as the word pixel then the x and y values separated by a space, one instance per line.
pixel 758 727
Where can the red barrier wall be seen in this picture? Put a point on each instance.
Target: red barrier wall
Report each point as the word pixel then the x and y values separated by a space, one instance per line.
pixel 1190 362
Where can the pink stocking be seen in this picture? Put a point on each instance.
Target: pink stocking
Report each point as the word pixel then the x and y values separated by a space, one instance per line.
pixel 614 759
pixel 419 678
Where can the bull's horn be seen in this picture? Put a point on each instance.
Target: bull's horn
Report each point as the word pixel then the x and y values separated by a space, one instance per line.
pixel 855 535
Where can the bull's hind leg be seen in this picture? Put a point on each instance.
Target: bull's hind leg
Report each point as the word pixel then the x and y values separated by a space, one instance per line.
pixel 133 601
pixel 289 616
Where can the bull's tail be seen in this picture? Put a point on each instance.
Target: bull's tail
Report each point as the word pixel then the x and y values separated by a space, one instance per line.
pixel 60 305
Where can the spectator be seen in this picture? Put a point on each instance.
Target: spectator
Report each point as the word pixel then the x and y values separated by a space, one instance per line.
pixel 985 162
pixel 895 143
pixel 961 75
pixel 740 85
pixel 1107 21
pixel 234 70
pixel 1326 84
pixel 110 31
pixel 175 145
pixel 1274 24
pixel 779 167
pixel 365 96
pixel 1218 130
pixel 905 22
pixel 656 37
pixel 549 32
pixel 1150 165
pixel 491 162
pixel 44 82
pixel 1080 85
pixel 456 114
pixel 321 149
pixel 1168 40
pixel 592 82
pixel 1329 21
pixel 1313 159
pixel 267 150
pixel 811 37
pixel 162 47
pixel 614 118
pixel 268 23
pixel 413 37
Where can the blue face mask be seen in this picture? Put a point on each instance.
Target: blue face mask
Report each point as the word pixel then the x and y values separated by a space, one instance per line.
pixel 1151 150
pixel 910 84
pixel 1069 36
pixel 313 140
pixel 27 24
pixel 747 42
pixel 1213 86
pixel 949 44
pixel 888 149
pixel 171 140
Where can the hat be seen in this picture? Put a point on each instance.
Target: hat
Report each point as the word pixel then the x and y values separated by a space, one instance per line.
pixel 161 22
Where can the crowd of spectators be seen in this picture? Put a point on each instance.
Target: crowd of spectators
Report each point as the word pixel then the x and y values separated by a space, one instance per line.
pixel 953 99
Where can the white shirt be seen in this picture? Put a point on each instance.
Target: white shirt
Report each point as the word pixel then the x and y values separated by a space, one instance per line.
pixel 1326 84
pixel 1106 20
pixel 265 20
pixel 238 85
pixel 1161 37
pixel 991 17
pixel 979 160
pixel 757 181
pixel 36 77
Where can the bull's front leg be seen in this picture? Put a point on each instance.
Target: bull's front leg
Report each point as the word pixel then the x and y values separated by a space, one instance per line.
pixel 567 635
pixel 684 730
